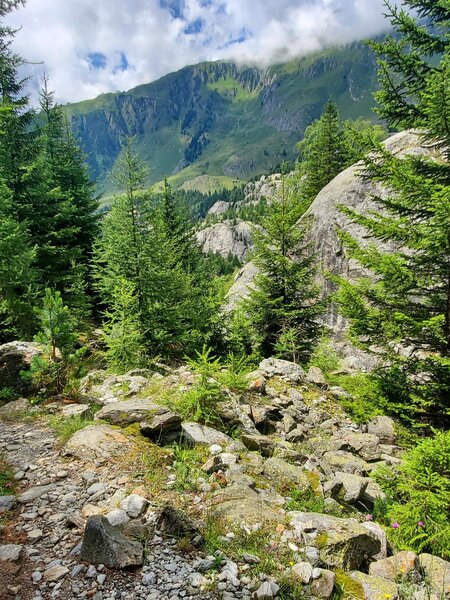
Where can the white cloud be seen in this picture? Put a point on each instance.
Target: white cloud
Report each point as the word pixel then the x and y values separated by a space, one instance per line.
pixel 67 38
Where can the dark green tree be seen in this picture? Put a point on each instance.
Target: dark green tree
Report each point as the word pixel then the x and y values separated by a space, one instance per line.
pixel 284 305
pixel 406 307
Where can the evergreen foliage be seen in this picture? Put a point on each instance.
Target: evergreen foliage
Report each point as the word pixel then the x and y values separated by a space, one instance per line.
pixel 406 308
pixel 283 306
pixel 147 242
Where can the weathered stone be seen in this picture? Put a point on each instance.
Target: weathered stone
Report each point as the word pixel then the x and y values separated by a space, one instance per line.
pixel 55 573
pixel 285 475
pixel 372 492
pixel 77 410
pixel 302 571
pixel 16 357
pixel 374 588
pixel 267 591
pixel 10 553
pixel 345 462
pixel 195 434
pixel 395 567
pixel 159 425
pixel 133 410
pixel 97 442
pixel 34 493
pixel 229 237
pixel 173 521
pixel 134 505
pixel 323 583
pixel 104 544
pixel 15 407
pixel 342 543
pixel 103 388
pixel 258 443
pixel 347 487
pixel 7 503
pixel 384 428
pixel 117 517
pixel 271 367
pixel 437 572
pixel 377 531
pixel 316 376
pixel 238 503
pixel 364 444
pixel 219 462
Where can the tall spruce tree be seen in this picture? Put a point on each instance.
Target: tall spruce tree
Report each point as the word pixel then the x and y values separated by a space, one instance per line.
pixel 406 307
pixel 284 306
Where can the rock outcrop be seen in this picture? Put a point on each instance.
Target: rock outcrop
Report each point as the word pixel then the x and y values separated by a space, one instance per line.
pixel 228 238
pixel 14 358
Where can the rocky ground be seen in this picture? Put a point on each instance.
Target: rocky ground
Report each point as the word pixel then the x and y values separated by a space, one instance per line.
pixel 139 503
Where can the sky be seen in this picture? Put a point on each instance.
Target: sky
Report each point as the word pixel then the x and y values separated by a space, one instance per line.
pixel 89 47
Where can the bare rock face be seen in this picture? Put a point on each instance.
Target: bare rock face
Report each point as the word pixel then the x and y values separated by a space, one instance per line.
pixel 241 287
pixel 228 238
pixel 219 208
pixel 97 442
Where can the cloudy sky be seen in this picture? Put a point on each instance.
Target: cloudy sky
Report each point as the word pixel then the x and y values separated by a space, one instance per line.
pixel 90 47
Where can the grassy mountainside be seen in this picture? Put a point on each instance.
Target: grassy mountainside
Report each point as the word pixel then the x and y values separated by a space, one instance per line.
pixel 223 120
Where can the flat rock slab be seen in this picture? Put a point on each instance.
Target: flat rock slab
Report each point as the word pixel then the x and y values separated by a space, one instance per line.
pixel 395 567
pixel 285 475
pixel 34 493
pixel 104 544
pixel 133 410
pixel 16 406
pixel 77 410
pixel 97 442
pixel 104 388
pixel 195 434
pixel 7 503
pixel 238 503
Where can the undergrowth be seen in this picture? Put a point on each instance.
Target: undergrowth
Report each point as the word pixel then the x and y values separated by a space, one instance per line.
pixel 7 481
pixel 65 427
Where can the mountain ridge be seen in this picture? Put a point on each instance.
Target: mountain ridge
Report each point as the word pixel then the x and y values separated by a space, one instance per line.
pixel 222 119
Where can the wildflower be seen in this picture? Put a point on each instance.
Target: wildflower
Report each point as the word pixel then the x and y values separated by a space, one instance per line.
pixel 369 517
pixel 395 525
pixel 420 524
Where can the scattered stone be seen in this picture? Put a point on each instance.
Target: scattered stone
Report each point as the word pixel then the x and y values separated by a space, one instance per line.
pixel 16 357
pixel 267 591
pixel 104 544
pixel 10 553
pixel 117 517
pixel 270 367
pixel 7 503
pixel 34 493
pixel 35 534
pixel 219 462
pixel 55 573
pixel 316 376
pixel 84 411
pixel 173 521
pixel 195 434
pixel 15 407
pixel 259 443
pixel 251 559
pixel 302 571
pixel 348 487
pixel 134 505
pixel 323 583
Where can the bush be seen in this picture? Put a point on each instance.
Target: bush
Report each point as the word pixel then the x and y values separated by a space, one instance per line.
pixel 421 498
pixel 365 395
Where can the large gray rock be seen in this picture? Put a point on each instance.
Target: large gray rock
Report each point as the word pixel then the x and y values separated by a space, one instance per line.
pixel 332 462
pixel 384 428
pixel 104 544
pixel 97 442
pixel 200 435
pixel 14 358
pixel 14 408
pixel 286 476
pixel 241 288
pixel 228 238
pixel 10 552
pixel 239 503
pixel 342 543
pixel 103 388
pixel 395 567
pixel 347 487
pixel 34 493
pixel 7 503
pixel 133 410
pixel 271 367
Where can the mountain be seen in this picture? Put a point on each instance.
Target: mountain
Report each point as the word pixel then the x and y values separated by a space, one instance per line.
pixel 223 120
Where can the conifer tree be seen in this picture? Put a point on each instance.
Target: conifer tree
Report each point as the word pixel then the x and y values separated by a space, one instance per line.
pixel 406 308
pixel 323 152
pixel 283 306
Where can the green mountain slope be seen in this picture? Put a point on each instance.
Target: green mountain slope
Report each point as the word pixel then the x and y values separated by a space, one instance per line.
pixel 223 120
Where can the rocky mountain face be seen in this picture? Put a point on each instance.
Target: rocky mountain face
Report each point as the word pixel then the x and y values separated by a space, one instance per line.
pixel 117 495
pixel 227 238
pixel 222 119
pixel 351 190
